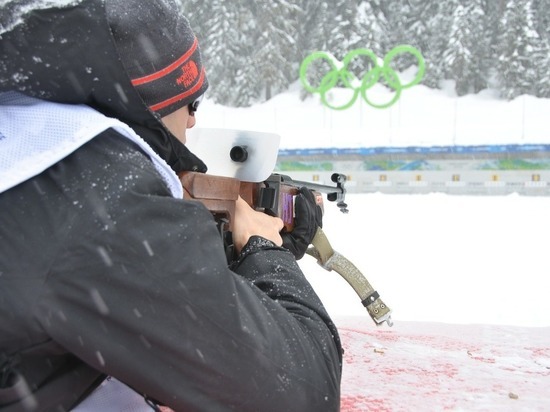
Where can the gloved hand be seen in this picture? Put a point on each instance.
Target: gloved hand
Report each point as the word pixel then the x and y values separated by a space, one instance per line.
pixel 308 216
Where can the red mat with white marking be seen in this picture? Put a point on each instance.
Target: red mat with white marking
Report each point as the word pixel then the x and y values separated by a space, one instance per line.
pixel 417 366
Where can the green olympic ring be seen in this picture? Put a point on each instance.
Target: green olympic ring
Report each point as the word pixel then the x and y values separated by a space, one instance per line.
pixel 338 72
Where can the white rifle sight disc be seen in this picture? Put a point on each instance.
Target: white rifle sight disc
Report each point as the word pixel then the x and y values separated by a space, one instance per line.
pixel 245 155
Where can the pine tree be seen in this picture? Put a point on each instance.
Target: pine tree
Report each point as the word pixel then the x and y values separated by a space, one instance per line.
pixel 542 26
pixel 542 18
pixel 397 13
pixel 372 27
pixel 311 18
pixel 465 57
pixel 274 52
pixel 341 27
pixel 518 50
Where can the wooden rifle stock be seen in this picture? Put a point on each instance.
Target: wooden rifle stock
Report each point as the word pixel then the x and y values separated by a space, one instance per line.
pixel 219 194
pixel 275 196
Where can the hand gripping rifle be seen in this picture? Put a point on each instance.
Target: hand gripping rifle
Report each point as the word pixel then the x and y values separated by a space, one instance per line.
pixel 275 196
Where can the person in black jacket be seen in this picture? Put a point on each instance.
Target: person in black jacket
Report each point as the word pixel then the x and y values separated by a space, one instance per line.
pixel 111 285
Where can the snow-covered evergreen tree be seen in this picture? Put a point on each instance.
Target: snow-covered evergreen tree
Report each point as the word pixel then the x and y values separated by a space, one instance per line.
pixel 274 51
pixel 542 18
pixel 542 25
pixel 466 54
pixel 311 18
pixel 542 87
pixel 518 50
pixel 372 27
pixel 341 27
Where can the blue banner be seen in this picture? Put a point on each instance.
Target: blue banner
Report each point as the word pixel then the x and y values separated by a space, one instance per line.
pixel 366 151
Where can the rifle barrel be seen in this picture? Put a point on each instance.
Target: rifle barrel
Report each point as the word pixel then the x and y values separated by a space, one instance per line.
pixel 319 187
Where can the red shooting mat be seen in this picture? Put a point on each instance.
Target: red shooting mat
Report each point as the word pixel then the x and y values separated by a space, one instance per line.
pixel 417 366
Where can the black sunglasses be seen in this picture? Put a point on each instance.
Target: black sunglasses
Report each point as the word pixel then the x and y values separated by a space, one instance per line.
pixel 194 105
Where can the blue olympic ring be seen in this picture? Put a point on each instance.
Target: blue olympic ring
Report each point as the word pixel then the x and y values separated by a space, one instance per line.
pixel 339 72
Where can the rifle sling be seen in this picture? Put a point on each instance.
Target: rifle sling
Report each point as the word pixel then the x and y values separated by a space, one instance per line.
pixel 330 260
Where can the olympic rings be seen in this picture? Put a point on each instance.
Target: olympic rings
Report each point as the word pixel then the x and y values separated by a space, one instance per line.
pixel 339 73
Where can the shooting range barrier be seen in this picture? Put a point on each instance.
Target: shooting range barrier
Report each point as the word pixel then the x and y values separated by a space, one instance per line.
pixel 470 170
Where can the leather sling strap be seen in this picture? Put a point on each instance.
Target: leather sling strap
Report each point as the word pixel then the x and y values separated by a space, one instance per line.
pixel 331 260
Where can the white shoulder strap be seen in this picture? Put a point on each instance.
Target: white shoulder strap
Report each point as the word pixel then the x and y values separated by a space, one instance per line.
pixel 35 134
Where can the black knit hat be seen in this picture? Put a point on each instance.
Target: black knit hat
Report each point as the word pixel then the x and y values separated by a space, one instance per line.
pixel 159 51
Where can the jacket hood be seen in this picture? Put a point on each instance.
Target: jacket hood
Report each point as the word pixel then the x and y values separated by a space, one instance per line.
pixel 67 54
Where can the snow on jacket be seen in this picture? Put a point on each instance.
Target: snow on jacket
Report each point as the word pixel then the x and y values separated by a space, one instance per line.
pixel 103 272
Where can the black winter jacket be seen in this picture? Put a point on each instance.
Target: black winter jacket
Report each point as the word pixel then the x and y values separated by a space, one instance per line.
pixel 103 272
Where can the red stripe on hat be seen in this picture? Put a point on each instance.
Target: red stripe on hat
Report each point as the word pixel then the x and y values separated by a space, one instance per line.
pixel 180 96
pixel 167 69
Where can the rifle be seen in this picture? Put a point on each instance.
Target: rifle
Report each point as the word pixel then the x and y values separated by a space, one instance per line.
pixel 274 196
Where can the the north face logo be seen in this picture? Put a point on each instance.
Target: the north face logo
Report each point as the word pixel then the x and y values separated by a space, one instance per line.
pixel 190 74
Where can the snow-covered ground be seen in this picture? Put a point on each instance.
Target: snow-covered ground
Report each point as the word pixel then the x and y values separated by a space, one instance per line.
pixel 467 277
pixel 443 258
